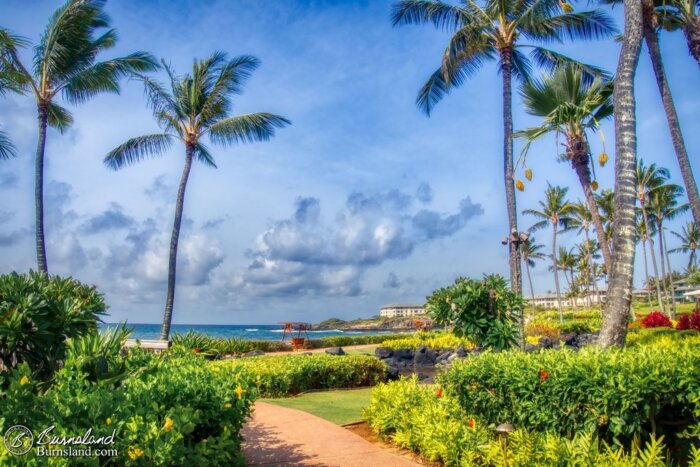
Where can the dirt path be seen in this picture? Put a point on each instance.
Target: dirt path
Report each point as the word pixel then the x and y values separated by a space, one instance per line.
pixel 285 437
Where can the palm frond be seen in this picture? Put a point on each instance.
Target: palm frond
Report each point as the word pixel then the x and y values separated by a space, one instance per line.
pixel 7 149
pixel 246 128
pixel 203 155
pixel 137 149
pixel 585 25
pixel 442 15
pixel 551 60
pixel 59 117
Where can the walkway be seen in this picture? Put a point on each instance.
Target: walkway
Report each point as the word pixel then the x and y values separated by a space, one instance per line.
pixel 284 437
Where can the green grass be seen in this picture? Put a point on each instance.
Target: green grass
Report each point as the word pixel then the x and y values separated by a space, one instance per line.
pixel 365 351
pixel 339 407
pixel 645 309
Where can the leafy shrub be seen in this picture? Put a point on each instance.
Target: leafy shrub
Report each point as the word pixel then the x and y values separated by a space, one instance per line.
pixel 617 394
pixel 174 411
pixel 656 319
pixel 279 376
pixel 692 321
pixel 581 326
pixel 486 312
pixel 99 355
pixel 423 419
pixel 542 329
pixel 37 314
pixel 338 341
pixel 430 340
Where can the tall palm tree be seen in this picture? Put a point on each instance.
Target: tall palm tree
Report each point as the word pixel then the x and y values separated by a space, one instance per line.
pixel 571 106
pixel 65 63
pixel 566 262
pixel 643 235
pixel 197 105
pixel 587 252
pixel 496 30
pixel 606 204
pixel 683 15
pixel 663 205
pixel 617 306
pixel 690 243
pixel 531 251
pixel 554 211
pixel 649 179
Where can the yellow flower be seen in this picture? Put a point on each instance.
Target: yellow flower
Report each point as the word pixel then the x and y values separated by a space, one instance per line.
pixel 227 405
pixel 108 421
pixel 239 391
pixel 528 174
pixel 520 185
pixel 168 425
pixel 24 380
pixel 134 452
pixel 594 185
pixel 603 159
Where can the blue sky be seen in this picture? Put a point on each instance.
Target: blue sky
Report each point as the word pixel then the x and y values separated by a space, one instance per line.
pixel 363 201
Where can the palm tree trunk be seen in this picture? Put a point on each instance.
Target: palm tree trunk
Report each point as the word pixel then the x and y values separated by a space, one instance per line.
pixel 532 290
pixel 651 37
pixel 646 270
pixel 39 190
pixel 579 160
pixel 663 268
pixel 589 264
pixel 556 274
pixel 653 258
pixel 614 330
pixel 172 262
pixel 692 36
pixel 508 174
pixel 670 277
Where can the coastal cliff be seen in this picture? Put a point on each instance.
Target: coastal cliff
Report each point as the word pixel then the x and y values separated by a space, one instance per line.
pixel 372 324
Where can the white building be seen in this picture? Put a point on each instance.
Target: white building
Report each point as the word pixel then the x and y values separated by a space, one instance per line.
pixel 393 311
pixel 549 300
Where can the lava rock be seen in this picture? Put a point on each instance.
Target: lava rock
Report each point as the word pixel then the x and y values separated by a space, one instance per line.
pixel 403 354
pixel 383 352
pixel 461 351
pixel 547 342
pixel 335 351
pixel 425 356
pixel 393 372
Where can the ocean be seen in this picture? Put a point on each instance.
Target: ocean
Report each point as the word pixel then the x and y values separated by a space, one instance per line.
pixel 258 332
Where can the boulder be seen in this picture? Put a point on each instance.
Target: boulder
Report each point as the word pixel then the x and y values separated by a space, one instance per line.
pixel 461 351
pixel 335 351
pixel 254 353
pixel 403 354
pixel 393 372
pixel 547 342
pixel 383 352
pixel 425 356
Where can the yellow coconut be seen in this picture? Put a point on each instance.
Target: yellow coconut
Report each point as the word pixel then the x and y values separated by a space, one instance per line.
pixel 520 185
pixel 528 174
pixel 603 159
pixel 594 185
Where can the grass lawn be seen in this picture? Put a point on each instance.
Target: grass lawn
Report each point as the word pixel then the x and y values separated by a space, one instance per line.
pixel 339 407
pixel 363 351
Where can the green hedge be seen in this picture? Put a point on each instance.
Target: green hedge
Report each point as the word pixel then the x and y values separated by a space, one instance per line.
pixel 421 418
pixel 432 340
pixel 174 410
pixel 279 376
pixel 617 394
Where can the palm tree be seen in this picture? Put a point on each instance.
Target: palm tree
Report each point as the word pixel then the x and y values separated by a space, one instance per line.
pixel 197 105
pixel 643 235
pixel 566 262
pixel 663 205
pixel 571 106
pixel 690 243
pixel 8 82
pixel 650 179
pixel 606 204
pixel 496 30
pixel 555 211
pixel 684 15
pixel 65 63
pixel 588 251
pixel 531 251
pixel 617 306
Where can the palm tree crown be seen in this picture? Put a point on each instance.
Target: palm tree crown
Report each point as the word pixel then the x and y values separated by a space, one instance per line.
pixel 690 243
pixel 196 105
pixel 555 210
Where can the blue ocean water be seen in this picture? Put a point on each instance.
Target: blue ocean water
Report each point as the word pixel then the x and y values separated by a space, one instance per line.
pixel 258 332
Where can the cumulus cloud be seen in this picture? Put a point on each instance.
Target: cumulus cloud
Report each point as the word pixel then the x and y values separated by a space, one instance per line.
pixel 111 219
pixel 424 193
pixel 161 188
pixel 305 255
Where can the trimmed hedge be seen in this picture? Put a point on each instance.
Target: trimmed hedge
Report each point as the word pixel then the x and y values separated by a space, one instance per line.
pixel 284 375
pixel 435 340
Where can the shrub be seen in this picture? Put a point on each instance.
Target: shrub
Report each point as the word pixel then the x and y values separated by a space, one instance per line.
pixel 691 321
pixel 419 418
pixel 435 341
pixel 174 411
pixel 543 329
pixel 486 312
pixel 279 376
pixel 38 313
pixel 656 319
pixel 616 394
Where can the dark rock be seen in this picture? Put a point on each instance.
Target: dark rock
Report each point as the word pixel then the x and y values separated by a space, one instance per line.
pixel 443 356
pixel 531 348
pixel 254 353
pixel 425 356
pixel 585 339
pixel 461 351
pixel 547 342
pixel 422 376
pixel 335 351
pixel 403 354
pixel 569 340
pixel 383 352
pixel 393 372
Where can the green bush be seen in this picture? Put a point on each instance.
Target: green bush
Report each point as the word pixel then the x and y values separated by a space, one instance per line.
pixel 37 314
pixel 616 394
pixel 279 376
pixel 176 410
pixel 486 312
pixel 423 419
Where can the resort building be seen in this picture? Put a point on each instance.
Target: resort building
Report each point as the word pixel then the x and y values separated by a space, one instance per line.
pixel 549 300
pixel 393 311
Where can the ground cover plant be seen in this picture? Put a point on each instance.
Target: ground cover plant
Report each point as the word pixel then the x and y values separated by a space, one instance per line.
pixel 432 340
pixel 284 375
